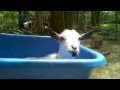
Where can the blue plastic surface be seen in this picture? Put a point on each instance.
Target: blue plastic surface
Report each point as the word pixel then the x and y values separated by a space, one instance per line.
pixel 14 65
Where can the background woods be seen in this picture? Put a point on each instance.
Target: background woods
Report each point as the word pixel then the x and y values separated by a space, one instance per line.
pixel 100 21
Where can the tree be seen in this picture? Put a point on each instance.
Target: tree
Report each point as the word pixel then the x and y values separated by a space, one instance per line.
pixel 62 19
pixel 20 20
pixel 82 24
pixel 95 18
pixel 76 18
pixel 69 19
pixel 82 17
pixel 98 13
pixel 57 21
pixel 38 19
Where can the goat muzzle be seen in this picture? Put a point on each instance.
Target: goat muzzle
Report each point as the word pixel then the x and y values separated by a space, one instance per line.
pixel 74 53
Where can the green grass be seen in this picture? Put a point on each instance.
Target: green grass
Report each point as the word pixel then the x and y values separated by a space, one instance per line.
pixel 112 69
pixel 109 26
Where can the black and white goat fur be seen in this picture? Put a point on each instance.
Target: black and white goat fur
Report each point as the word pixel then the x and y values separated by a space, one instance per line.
pixel 26 25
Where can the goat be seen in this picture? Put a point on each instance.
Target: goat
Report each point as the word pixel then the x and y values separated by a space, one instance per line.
pixel 27 25
pixel 69 42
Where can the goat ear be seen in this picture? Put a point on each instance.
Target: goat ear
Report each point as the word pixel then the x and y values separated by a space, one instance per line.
pixel 53 34
pixel 86 35
pixel 50 32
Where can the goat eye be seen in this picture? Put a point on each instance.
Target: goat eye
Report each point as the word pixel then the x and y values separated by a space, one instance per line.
pixel 62 38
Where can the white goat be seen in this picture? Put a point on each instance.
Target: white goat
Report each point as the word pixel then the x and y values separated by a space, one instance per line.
pixel 69 42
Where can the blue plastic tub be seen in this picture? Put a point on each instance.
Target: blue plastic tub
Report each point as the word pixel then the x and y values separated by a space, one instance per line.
pixel 14 65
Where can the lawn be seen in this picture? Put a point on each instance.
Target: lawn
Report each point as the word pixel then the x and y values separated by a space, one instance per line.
pixel 110 26
pixel 112 69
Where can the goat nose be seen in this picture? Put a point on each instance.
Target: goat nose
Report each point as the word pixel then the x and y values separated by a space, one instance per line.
pixel 74 47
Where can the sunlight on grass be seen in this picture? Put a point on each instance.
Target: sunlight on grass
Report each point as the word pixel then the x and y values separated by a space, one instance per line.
pixel 112 69
pixel 105 25
pixel 109 26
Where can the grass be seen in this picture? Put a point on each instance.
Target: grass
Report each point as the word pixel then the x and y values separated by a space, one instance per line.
pixel 112 69
pixel 109 26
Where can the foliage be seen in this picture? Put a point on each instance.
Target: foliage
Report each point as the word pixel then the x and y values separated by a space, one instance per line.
pixel 84 15
pixel 108 17
pixel 9 21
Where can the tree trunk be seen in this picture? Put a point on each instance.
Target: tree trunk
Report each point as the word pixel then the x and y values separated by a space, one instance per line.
pixel 82 25
pixel 61 20
pixel 38 19
pixel 69 19
pixel 83 16
pixel 93 23
pixel 19 20
pixel 98 13
pixel 76 21
pixel 95 18
pixel 57 21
